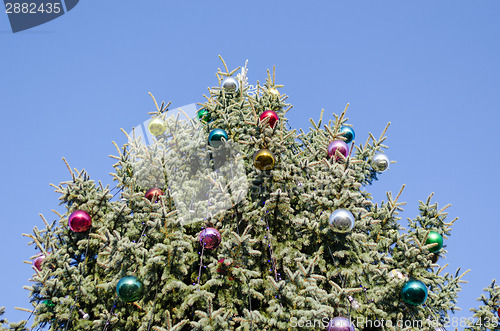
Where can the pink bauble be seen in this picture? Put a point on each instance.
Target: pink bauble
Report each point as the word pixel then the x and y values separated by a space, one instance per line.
pixel 210 238
pixel 271 116
pixel 79 221
pixel 37 263
pixel 340 146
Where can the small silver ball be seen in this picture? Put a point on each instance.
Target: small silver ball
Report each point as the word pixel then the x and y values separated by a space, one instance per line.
pixel 380 162
pixel 341 220
pixel 396 274
pixel 86 316
pixel 230 85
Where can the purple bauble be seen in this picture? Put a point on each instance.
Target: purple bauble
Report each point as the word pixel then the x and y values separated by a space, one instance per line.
pixel 210 238
pixel 79 221
pixel 37 263
pixel 340 324
pixel 338 145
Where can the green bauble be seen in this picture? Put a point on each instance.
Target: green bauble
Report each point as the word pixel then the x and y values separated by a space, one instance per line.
pixel 414 292
pixel 48 303
pixel 434 238
pixel 129 288
pixel 204 115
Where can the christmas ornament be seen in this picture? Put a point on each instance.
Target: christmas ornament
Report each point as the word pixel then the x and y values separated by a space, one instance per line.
pixel 204 115
pixel 348 134
pixel 340 323
pixel 340 146
pixel 271 116
pixel 210 238
pixel 498 312
pixel 79 221
pixel 434 258
pixel 215 137
pixel 380 162
pixel 230 85
pixel 129 288
pixel 157 126
pixel 48 303
pixel 434 238
pixel 85 316
pixel 414 292
pixel 274 92
pixel 440 329
pixel 395 273
pixel 354 303
pixel 153 194
pixel 341 220
pixel 37 263
pixel 264 159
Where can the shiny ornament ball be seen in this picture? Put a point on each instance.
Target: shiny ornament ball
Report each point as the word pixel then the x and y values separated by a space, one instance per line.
pixel 340 146
pixel 79 221
pixel 440 329
pixel 380 162
pixel 204 115
pixel 274 92
pixel 129 288
pixel 341 220
pixel 48 303
pixel 434 258
pixel 271 116
pixel 230 85
pixel 340 323
pixel 498 312
pixel 434 238
pixel 215 137
pixel 153 194
pixel 414 292
pixel 210 238
pixel 348 134
pixel 37 263
pixel 157 126
pixel 264 159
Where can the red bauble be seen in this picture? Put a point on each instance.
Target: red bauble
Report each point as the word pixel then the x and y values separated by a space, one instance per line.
pixel 79 221
pixel 210 238
pixel 498 312
pixel 37 263
pixel 153 194
pixel 271 116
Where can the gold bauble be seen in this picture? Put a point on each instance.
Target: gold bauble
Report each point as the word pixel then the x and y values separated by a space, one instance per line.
pixel 157 126
pixel 264 159
pixel 274 92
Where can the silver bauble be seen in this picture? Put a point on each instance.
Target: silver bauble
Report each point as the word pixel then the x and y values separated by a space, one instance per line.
pixel 341 220
pixel 395 273
pixel 380 162
pixel 340 323
pixel 440 329
pixel 230 85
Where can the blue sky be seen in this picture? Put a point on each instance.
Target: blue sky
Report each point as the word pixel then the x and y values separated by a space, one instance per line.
pixel 431 68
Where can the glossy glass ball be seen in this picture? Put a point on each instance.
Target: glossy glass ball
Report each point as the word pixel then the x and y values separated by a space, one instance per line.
pixel 204 115
pixel 230 85
pixel 380 162
pixel 414 292
pixel 153 194
pixel 348 134
pixel 215 137
pixel 271 117
pixel 129 289
pixel 157 126
pixel 264 159
pixel 274 92
pixel 79 221
pixel 434 238
pixel 340 146
pixel 37 263
pixel 210 238
pixel 341 220
pixel 340 323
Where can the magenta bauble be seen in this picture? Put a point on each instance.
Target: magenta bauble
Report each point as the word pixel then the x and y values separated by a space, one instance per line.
pixel 338 145
pixel 79 221
pixel 37 263
pixel 210 238
pixel 271 117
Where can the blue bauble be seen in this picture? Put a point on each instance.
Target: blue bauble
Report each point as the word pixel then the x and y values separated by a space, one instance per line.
pixel 414 292
pixel 129 288
pixel 348 134
pixel 215 137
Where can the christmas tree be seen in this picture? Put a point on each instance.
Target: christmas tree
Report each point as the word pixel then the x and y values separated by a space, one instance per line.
pixel 234 221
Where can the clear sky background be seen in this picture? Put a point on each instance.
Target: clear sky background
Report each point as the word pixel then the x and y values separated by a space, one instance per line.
pixel 432 68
